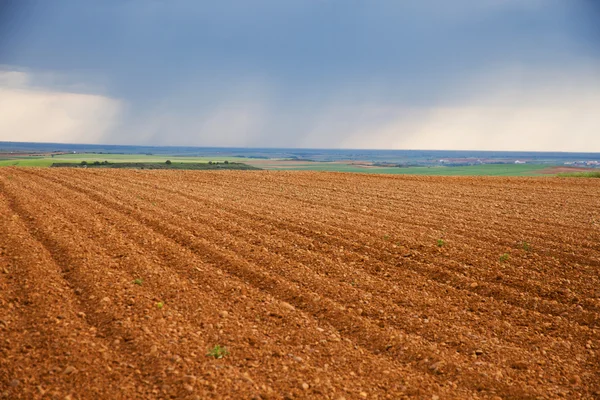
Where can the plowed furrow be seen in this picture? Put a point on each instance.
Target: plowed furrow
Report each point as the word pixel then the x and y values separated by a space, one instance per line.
pixel 146 221
pixel 261 279
pixel 317 283
pixel 173 300
pixel 256 234
pixel 383 364
pixel 495 281
pixel 536 304
pixel 407 211
pixel 478 249
pixel 415 198
pixel 559 326
pixel 49 332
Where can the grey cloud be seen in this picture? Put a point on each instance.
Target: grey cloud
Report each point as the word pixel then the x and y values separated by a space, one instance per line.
pixel 180 67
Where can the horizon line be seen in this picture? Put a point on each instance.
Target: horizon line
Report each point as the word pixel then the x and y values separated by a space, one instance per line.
pixel 301 148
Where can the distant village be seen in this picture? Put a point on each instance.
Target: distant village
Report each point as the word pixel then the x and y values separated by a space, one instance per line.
pixel 455 162
pixel 589 164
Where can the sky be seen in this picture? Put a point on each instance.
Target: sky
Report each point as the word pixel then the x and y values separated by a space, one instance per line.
pixel 376 74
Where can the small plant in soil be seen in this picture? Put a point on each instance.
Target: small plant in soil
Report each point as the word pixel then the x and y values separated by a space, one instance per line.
pixel 441 242
pixel 525 246
pixel 138 281
pixel 160 305
pixel 386 237
pixel 218 352
pixel 504 257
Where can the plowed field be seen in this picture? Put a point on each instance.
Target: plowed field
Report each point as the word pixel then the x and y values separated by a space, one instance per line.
pixel 116 284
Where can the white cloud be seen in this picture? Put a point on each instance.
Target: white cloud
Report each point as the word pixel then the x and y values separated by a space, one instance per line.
pixel 43 114
pixel 508 110
pixel 13 79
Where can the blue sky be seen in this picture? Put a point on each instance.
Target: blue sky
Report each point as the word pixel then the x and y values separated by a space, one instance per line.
pixel 435 74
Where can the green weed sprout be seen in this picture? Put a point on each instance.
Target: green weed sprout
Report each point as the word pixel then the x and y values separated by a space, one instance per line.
pixel 218 352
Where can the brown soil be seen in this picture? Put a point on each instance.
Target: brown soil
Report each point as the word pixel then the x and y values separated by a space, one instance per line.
pixel 268 162
pixel 320 285
pixel 560 170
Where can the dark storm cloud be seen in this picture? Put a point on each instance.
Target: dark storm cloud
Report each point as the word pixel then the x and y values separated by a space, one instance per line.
pixel 150 45
pixel 284 63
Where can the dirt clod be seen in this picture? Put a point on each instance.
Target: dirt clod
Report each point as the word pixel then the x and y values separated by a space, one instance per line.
pixel 188 388
pixel 69 370
pixel 575 380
